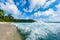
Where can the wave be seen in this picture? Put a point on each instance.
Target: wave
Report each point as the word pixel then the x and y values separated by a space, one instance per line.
pixel 39 30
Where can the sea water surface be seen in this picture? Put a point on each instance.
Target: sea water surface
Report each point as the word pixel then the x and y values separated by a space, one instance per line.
pixel 39 30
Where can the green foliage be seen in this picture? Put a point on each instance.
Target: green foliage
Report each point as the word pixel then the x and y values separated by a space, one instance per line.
pixel 9 18
pixel 1 13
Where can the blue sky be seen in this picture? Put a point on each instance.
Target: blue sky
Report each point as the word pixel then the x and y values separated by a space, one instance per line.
pixel 46 10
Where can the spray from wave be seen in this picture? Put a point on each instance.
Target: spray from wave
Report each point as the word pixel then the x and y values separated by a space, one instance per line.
pixel 39 30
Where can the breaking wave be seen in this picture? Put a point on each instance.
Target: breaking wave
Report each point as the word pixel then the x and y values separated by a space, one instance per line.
pixel 39 30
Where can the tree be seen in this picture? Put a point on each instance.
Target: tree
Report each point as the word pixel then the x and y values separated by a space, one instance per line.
pixel 10 16
pixel 1 13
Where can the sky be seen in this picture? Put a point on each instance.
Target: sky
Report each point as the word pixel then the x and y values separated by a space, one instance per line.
pixel 46 10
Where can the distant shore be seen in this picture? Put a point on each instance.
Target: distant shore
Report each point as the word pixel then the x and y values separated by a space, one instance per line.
pixel 9 32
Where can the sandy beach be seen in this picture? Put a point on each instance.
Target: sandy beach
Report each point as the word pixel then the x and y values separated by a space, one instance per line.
pixel 9 32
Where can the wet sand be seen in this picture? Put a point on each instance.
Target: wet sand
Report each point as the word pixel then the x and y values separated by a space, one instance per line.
pixel 9 32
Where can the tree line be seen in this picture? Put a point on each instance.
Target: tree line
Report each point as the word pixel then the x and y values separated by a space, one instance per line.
pixel 10 18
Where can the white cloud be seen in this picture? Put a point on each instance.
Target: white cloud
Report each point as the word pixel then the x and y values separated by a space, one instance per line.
pixel 56 18
pixel 48 3
pixel 36 4
pixel 37 14
pixel 10 7
pixel 25 10
pixel 49 12
pixel 56 15
pixel 23 3
pixel 10 1
pixel 58 8
pixel 13 8
pixel 46 13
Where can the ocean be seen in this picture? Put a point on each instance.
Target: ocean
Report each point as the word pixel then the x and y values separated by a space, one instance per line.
pixel 39 30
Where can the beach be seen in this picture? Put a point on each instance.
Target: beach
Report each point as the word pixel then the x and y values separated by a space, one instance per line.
pixel 9 32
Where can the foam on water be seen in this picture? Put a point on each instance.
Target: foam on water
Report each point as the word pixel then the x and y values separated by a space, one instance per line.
pixel 39 30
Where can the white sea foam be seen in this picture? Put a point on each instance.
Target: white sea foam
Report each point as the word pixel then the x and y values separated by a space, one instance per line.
pixel 40 30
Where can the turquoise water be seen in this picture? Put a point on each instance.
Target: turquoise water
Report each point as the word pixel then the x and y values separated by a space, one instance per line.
pixel 39 30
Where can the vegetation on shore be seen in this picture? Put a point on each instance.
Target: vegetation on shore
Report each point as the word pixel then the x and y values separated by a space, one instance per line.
pixel 10 18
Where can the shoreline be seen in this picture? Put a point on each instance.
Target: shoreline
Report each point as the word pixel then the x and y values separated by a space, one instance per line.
pixel 5 22
pixel 8 31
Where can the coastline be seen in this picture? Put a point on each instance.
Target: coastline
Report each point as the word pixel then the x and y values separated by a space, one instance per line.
pixel 9 32
pixel 5 22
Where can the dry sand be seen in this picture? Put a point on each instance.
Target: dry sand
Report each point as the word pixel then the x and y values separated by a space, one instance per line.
pixel 9 32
